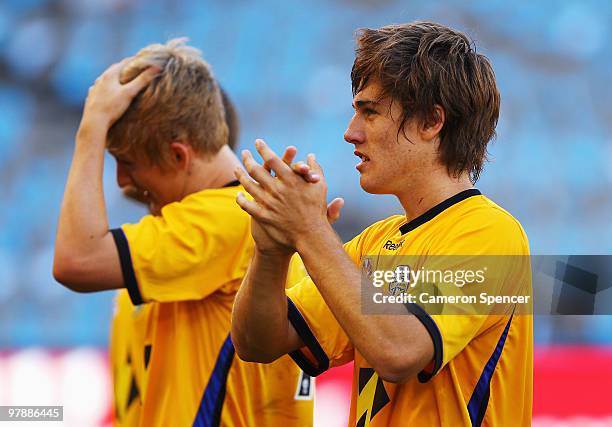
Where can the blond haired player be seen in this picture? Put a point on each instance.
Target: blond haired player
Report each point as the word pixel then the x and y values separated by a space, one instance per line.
pixel 130 344
pixel 426 106
pixel 160 115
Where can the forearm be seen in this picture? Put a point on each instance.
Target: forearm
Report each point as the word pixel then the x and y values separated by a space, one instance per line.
pixel 83 222
pixel 338 281
pixel 394 352
pixel 86 258
pixel 296 216
pixel 260 328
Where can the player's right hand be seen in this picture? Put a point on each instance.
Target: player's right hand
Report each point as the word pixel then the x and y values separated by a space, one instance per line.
pixel 302 168
pixel 265 240
pixel 108 99
pixel 270 241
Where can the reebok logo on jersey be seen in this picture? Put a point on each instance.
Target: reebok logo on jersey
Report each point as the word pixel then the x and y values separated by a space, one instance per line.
pixel 393 246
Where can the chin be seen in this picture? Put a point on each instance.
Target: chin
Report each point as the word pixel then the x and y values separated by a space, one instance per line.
pixel 154 209
pixel 368 186
pixel 371 187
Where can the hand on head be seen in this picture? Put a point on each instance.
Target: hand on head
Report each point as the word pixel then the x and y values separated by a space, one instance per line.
pixel 108 99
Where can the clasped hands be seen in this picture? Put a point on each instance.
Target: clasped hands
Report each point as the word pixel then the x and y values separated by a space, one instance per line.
pixel 290 206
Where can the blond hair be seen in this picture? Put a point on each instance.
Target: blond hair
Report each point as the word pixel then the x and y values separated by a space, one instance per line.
pixel 182 103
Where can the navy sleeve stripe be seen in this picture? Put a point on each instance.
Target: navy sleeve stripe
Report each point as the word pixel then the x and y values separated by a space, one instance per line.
pixel 477 406
pixel 127 269
pixel 301 327
pixel 436 337
pixel 211 405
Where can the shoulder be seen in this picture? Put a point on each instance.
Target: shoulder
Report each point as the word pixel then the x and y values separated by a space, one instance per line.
pixel 204 206
pixel 204 213
pixel 498 219
pixel 208 201
pixel 381 227
pixel 384 226
pixel 373 234
pixel 482 226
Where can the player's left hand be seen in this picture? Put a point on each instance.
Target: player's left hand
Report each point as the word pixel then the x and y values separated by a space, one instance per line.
pixel 287 205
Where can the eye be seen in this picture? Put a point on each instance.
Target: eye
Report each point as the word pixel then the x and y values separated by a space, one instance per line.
pixel 125 163
pixel 369 112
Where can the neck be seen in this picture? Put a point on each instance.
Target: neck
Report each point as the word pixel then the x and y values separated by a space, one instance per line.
pixel 422 196
pixel 214 171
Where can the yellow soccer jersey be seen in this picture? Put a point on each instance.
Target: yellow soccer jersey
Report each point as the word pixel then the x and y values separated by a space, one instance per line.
pixel 482 371
pixel 130 350
pixel 187 265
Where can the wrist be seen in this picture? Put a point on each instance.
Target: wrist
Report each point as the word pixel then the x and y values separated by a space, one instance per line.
pixel 272 266
pixel 319 235
pixel 277 255
pixel 92 127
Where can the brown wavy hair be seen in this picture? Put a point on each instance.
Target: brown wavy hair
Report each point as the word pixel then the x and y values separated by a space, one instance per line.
pixel 424 64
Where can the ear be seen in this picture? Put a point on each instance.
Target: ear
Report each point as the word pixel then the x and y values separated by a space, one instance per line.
pixel 431 129
pixel 181 154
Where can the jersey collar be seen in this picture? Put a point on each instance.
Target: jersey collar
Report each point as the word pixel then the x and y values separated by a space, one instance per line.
pixel 439 208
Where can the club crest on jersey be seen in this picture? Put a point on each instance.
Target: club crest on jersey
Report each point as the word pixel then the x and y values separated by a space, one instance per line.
pixel 392 246
pixel 400 286
pixel 397 288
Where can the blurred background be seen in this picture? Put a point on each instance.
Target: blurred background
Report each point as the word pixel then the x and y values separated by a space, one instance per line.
pixel 286 65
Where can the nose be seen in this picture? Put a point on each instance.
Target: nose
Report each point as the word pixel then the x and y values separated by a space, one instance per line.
pixel 123 176
pixel 354 134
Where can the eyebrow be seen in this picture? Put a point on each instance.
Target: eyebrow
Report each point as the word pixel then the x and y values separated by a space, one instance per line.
pixel 362 103
pixel 122 159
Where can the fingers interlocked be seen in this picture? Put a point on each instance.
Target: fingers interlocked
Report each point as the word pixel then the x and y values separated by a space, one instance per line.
pixel 258 180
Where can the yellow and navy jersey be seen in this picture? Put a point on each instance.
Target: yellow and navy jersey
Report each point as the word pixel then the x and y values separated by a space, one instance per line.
pixel 187 265
pixel 130 352
pixel 481 373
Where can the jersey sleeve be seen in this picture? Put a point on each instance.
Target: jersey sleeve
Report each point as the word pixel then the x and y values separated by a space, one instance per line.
pixel 296 272
pixel 325 342
pixel 196 247
pixel 503 251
